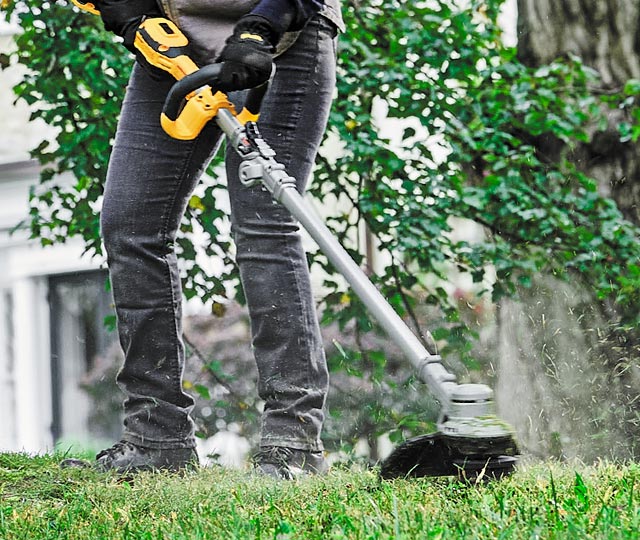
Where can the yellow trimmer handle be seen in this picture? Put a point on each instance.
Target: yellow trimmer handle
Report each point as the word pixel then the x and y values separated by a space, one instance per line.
pixel 192 101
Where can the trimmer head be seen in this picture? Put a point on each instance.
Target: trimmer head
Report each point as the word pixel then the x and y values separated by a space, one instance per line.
pixel 471 442
pixel 436 454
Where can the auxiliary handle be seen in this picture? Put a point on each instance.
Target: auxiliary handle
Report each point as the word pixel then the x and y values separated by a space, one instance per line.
pixel 193 101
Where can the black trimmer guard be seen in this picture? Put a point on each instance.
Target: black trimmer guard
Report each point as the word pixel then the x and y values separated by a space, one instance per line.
pixel 435 455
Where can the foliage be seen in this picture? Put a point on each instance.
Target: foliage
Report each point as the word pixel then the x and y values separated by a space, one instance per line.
pixel 475 102
pixel 471 115
pixel 75 82
pixel 39 500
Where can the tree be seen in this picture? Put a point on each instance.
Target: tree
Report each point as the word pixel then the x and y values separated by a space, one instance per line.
pixel 472 113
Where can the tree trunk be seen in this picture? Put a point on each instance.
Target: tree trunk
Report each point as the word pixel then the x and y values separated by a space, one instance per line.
pixel 568 379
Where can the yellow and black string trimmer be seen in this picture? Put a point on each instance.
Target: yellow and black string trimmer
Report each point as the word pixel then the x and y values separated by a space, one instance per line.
pixel 471 442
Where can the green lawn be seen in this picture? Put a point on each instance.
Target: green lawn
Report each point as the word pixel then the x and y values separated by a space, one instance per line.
pixel 40 501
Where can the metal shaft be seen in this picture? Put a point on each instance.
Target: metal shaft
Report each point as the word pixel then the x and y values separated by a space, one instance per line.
pixel 283 189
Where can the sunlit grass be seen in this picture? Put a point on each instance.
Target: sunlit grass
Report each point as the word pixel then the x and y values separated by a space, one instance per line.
pixel 39 500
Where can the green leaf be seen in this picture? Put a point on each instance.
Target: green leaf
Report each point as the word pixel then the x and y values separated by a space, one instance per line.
pixel 202 391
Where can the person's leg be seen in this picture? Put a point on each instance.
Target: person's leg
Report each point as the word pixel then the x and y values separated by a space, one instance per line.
pixel 293 377
pixel 149 181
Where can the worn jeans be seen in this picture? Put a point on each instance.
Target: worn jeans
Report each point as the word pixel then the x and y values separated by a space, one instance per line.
pixel 151 177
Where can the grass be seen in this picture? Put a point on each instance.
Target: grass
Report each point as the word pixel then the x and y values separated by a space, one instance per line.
pixel 38 500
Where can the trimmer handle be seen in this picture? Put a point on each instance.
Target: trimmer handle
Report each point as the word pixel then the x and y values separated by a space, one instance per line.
pixel 193 100
pixel 181 92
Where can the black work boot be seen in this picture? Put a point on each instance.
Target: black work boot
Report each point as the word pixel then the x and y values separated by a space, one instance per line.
pixel 288 463
pixel 126 457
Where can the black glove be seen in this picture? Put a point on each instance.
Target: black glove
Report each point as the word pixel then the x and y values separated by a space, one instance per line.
pixel 247 56
pixel 123 17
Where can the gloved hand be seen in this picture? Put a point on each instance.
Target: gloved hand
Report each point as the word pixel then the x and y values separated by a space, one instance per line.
pixel 247 56
pixel 123 17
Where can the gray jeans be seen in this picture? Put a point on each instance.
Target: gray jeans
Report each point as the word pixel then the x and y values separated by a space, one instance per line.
pixel 149 183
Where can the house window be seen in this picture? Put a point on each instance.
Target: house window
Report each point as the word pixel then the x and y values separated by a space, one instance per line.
pixel 84 359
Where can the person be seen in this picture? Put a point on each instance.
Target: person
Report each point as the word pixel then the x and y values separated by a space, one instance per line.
pixel 149 182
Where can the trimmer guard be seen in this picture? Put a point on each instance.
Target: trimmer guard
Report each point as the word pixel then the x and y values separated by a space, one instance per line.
pixel 434 455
